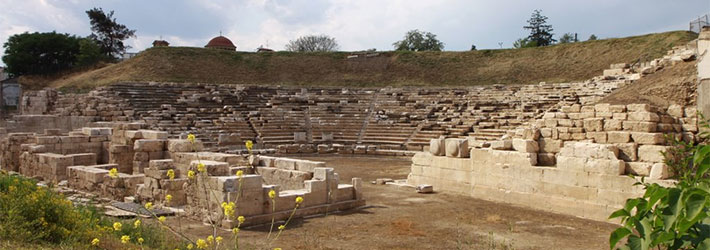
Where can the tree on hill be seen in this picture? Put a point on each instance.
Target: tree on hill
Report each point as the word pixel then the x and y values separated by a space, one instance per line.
pixel 568 38
pixel 313 43
pixel 524 43
pixel 540 31
pixel 108 33
pixel 40 53
pixel 416 40
pixel 592 38
pixel 473 47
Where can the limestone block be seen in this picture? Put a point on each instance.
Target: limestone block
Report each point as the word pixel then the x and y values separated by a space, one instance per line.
pixel 546 132
pixel 424 189
pixel 638 168
pixel 231 183
pixel 285 163
pixel 594 124
pixel 502 145
pixel 643 116
pixel 300 137
pixel 564 123
pixel 437 147
pixel 574 108
pixel 640 126
pixel 613 125
pixel 549 145
pixel 598 137
pixel 47 139
pixel 327 136
pixel 161 164
pixel 651 153
pixel 676 111
pixel 229 139
pixel 214 168
pixel 175 145
pixel 486 158
pixel 627 151
pixel 638 107
pixel 96 131
pixel 117 149
pixel 589 150
pixel 309 166
pixel 456 147
pixel 597 166
pixel 587 109
pixel 141 156
pixel 525 146
pixel 530 133
pixel 648 138
pixel 602 107
pixel 422 159
pixel 133 134
pixel 546 159
pixel 617 108
pixel 659 171
pixel 618 137
pixel 619 116
pixel 86 159
pixel 149 145
pixel 550 123
pixel 266 161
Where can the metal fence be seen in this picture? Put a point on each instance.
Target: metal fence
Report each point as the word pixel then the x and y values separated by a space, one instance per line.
pixel 698 24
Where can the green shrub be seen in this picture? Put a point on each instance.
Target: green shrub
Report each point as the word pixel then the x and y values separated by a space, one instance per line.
pixel 29 213
pixel 675 217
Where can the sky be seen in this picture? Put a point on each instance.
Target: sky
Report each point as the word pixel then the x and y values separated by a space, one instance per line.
pixel 355 24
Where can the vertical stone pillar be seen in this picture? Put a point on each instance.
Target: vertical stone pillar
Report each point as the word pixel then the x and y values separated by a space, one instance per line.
pixel 704 72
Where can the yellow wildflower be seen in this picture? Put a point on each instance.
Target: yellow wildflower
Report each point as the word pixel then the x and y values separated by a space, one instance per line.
pixel 125 239
pixel 149 205
pixel 171 174
pixel 11 188
pixel 201 167
pixel 113 173
pixel 240 219
pixel 95 242
pixel 299 200
pixel 201 244
pixel 161 218
pixel 235 230
pixel 272 194
pixel 117 226
pixel 137 224
pixel 278 248
pixel 191 138
pixel 240 173
pixel 140 241
pixel 168 198
pixel 191 174
pixel 249 144
pixel 228 209
pixel 282 227
pixel 210 239
pixel 189 246
pixel 218 240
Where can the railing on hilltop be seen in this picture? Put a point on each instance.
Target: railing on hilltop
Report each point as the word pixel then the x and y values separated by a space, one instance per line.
pixel 698 24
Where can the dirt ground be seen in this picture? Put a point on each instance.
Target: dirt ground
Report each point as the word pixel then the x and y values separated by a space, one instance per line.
pixel 674 84
pixel 399 218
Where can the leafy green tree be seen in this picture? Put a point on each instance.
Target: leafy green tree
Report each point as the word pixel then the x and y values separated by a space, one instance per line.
pixel 592 38
pixel 108 33
pixel 416 40
pixel 473 47
pixel 540 31
pixel 40 53
pixel 568 38
pixel 313 43
pixel 89 53
pixel 524 43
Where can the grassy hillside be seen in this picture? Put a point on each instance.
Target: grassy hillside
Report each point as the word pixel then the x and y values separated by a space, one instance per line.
pixel 559 63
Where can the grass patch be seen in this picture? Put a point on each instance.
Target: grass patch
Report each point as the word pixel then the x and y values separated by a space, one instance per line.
pixel 35 217
pixel 557 63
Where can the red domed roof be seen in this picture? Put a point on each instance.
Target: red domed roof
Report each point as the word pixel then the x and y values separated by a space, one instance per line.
pixel 221 42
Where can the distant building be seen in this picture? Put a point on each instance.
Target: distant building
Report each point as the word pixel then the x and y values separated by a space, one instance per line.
pixel 161 43
pixel 221 42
